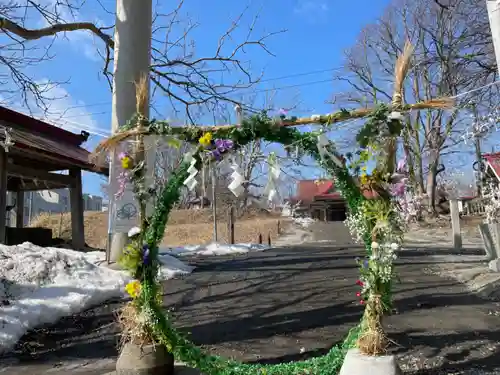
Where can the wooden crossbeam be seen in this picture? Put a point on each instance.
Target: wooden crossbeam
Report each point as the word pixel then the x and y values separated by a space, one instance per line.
pixel 15 170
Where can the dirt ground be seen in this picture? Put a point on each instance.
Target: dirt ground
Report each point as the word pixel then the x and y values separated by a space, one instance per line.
pixel 185 227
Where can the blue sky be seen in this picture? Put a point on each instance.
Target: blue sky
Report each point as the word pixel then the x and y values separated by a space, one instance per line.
pixel 318 33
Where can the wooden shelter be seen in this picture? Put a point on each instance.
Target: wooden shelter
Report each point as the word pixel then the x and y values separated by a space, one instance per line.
pixel 35 155
pixel 320 200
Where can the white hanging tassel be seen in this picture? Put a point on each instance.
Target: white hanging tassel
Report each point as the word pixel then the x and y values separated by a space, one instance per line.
pixel 236 185
pixel 274 173
pixel 8 142
pixel 323 144
pixel 395 115
pixel 190 182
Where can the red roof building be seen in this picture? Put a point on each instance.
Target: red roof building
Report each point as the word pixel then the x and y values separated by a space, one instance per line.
pixel 492 165
pixel 320 200
pixel 309 190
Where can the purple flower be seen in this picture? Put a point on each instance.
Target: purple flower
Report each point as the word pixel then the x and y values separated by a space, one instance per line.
pixel 365 263
pixel 145 254
pixel 122 155
pixel 216 154
pixel 282 112
pixel 223 145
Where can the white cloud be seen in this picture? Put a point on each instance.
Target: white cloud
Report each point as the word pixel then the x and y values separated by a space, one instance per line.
pixel 63 111
pixel 312 10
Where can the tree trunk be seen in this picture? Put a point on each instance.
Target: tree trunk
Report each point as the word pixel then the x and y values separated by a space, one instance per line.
pixel 432 180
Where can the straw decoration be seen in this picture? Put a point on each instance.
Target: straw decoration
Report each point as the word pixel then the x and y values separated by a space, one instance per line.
pixel 400 72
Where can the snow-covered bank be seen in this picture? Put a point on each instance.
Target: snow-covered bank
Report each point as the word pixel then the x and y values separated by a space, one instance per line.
pixel 41 285
pixel 213 249
pixel 303 221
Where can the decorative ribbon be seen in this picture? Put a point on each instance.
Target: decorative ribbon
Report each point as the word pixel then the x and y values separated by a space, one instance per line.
pixel 8 142
pixel 395 115
pixel 190 182
pixel 323 145
pixel 236 185
pixel 274 173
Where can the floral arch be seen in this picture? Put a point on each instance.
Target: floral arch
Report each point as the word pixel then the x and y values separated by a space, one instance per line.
pixel 375 222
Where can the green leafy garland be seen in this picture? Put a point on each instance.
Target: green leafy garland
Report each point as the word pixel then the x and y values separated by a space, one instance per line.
pixel 253 128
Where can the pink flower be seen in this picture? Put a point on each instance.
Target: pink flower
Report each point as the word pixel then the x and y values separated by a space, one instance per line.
pixel 122 184
pixel 398 189
pixel 122 155
pixel 401 165
pixel 358 294
pixel 362 302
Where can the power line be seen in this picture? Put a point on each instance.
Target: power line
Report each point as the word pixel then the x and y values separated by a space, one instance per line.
pixel 227 96
pixel 303 74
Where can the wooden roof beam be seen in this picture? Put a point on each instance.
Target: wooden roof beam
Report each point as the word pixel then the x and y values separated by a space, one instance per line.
pixel 41 176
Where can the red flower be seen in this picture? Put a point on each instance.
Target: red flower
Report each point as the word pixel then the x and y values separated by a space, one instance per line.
pixel 358 294
pixel 362 302
pixel 359 282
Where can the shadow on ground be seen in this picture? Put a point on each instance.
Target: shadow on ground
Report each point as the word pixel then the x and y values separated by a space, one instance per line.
pixel 290 304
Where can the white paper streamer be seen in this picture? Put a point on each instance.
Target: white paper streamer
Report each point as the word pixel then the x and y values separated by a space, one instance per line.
pixel 8 142
pixel 236 185
pixel 395 115
pixel 323 144
pixel 190 182
pixel 274 173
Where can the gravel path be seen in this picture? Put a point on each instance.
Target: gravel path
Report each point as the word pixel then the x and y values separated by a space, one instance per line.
pixel 288 304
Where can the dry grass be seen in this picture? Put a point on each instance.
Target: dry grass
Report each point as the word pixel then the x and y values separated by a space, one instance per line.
pixel 185 227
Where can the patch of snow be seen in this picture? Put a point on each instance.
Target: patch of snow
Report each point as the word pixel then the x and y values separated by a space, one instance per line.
pixel 213 249
pixel 172 267
pixel 41 285
pixel 303 221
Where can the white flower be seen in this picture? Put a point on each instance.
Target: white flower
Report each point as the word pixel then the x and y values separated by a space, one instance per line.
pixel 315 117
pixel 134 231
pixel 394 246
pixel 374 245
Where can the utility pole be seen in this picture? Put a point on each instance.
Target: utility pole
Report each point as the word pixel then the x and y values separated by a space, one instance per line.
pixel 132 59
pixel 479 176
pixel 477 147
pixel 493 7
pixel 214 200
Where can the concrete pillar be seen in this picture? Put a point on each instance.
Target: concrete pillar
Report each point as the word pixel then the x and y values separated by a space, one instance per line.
pixel 132 57
pixel 455 224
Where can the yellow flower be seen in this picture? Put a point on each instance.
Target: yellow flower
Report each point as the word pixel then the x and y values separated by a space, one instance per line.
pixel 206 139
pixel 364 179
pixel 126 162
pixel 133 288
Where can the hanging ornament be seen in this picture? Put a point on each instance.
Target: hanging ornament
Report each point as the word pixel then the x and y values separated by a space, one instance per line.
pixel 8 142
pixel 395 115
pixel 323 145
pixel 274 173
pixel 236 185
pixel 190 182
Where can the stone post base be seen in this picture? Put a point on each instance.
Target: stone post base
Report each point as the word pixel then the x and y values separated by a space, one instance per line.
pixel 356 363
pixel 146 360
